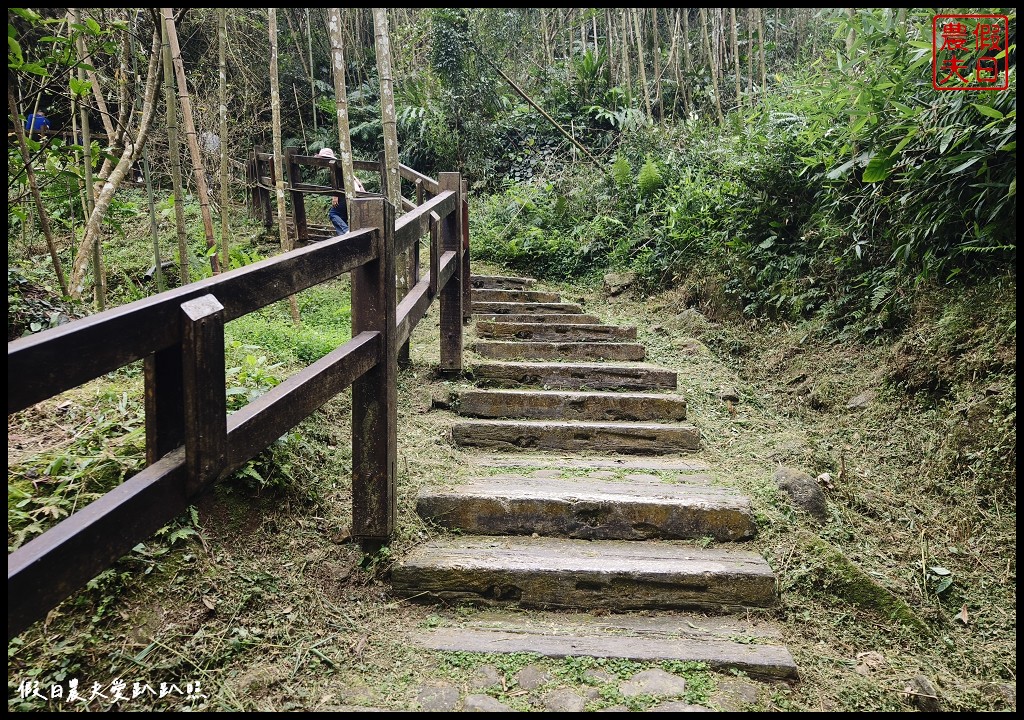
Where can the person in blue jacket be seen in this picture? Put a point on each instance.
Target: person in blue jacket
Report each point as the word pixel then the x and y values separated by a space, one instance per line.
pixel 339 210
pixel 37 121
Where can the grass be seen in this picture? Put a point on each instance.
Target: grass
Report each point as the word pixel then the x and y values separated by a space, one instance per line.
pixel 257 594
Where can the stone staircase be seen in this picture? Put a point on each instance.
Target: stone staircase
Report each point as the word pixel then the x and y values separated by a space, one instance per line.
pixel 583 507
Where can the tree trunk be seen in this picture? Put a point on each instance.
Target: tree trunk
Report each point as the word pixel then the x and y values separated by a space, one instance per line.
pixel 624 39
pixel 312 69
pixel 174 148
pixel 711 60
pixel 609 44
pixel 750 57
pixel 192 138
pixel 760 48
pixel 129 155
pixel 640 62
pixel 341 105
pixel 154 227
pixel 393 181
pixel 387 107
pixel 687 61
pixel 656 54
pixel 735 57
pixel 275 111
pixel 222 82
pixel 96 247
pixel 30 176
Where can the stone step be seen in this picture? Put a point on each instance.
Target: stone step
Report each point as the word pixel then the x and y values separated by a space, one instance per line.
pixel 550 319
pixel 724 643
pixel 533 308
pixel 679 467
pixel 556 573
pixel 495 295
pixel 564 332
pixel 589 509
pixel 622 437
pixel 556 405
pixel 501 282
pixel 520 350
pixel 575 376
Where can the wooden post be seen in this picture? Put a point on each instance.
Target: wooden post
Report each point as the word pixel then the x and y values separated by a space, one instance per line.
pixel 467 295
pixel 206 419
pixel 298 199
pixel 165 409
pixel 451 293
pixel 374 395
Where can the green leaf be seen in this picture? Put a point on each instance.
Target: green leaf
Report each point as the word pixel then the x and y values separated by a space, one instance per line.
pixel 79 88
pixel 939 570
pixel 987 111
pixel 840 171
pixel 13 48
pixel 93 26
pixel 964 166
pixel 35 69
pixel 943 585
pixel 903 143
pixel 878 169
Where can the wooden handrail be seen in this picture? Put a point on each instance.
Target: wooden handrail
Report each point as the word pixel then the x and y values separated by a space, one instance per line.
pixel 191 441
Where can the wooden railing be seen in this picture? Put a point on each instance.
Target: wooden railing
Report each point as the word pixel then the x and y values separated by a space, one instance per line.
pixel 191 441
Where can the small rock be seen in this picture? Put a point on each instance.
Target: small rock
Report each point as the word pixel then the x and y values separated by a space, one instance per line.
pixel 862 400
pixel 563 700
pixel 923 694
pixel 484 703
pixel 440 400
pixel 599 676
pixel 592 693
pixel 484 677
pixel 1005 694
pixel 803 491
pixel 653 682
pixel 729 394
pixel 690 346
pixel 993 389
pixel 531 677
pixel 691 322
pixel 615 283
pixel 438 697
pixel 660 329
pixel 614 708
pixel 679 707
pixel 733 694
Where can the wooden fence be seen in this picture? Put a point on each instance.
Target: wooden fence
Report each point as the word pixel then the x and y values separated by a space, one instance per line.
pixel 191 440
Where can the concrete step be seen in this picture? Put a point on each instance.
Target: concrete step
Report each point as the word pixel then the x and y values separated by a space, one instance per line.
pixel 575 376
pixel 501 282
pixel 544 465
pixel 725 643
pixel 520 350
pixel 562 332
pixel 615 437
pixel 553 573
pixel 550 319
pixel 495 295
pixel 518 308
pixel 589 509
pixel 558 405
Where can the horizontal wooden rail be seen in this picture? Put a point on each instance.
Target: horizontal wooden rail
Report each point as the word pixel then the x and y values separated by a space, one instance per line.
pixel 414 306
pixel 64 357
pixel 268 417
pixel 191 441
pixel 412 176
pixel 416 223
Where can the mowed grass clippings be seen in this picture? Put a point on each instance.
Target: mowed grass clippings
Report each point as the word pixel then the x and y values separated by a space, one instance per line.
pixel 269 606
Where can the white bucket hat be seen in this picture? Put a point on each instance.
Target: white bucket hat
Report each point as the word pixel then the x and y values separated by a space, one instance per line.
pixel 328 153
